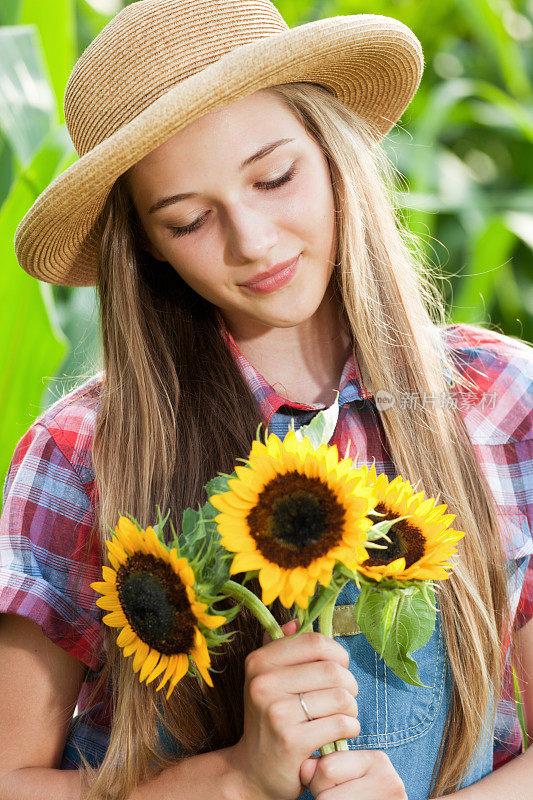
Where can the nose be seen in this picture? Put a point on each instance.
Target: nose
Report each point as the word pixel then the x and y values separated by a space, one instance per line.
pixel 251 234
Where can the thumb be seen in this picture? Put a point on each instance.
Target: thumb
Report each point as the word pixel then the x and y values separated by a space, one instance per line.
pixel 307 770
pixel 288 629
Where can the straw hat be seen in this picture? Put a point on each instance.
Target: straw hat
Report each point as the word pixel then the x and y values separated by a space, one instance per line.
pixel 161 64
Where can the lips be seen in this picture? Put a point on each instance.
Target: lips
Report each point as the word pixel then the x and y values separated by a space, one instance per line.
pixel 269 272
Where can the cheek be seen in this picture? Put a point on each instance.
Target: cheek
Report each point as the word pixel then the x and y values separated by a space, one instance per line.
pixel 315 206
pixel 200 275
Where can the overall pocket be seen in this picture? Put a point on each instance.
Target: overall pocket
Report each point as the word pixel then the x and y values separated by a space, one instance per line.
pixel 392 712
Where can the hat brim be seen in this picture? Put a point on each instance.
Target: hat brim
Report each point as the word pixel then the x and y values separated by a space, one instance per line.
pixel 370 62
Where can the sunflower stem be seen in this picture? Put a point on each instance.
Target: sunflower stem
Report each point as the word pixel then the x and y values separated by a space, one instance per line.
pixel 300 614
pixel 325 626
pixel 325 618
pixel 254 604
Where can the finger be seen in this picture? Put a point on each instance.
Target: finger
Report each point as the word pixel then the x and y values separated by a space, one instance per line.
pixel 288 629
pixel 307 770
pixel 336 768
pixel 310 677
pixel 308 646
pixel 368 787
pixel 321 731
pixel 324 702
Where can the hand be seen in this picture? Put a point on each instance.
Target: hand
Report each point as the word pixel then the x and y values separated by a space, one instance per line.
pixel 364 774
pixel 277 735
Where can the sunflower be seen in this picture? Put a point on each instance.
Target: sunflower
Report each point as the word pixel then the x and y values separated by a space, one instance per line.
pixel 420 545
pixel 291 514
pixel 149 594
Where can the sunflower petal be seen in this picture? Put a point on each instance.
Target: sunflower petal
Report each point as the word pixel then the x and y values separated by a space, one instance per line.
pixel 127 527
pixel 246 561
pixel 115 619
pixel 286 595
pixel 126 636
pixel 171 666
pixel 243 492
pixel 103 587
pixel 396 567
pixel 211 621
pixel 161 666
pixel 182 665
pixel 238 541
pixel 269 575
pixel 302 600
pixel 297 579
pixel 117 551
pixel 140 656
pixel 270 594
pixel 149 664
pixel 425 507
pixel 274 446
pixel 114 561
pixel 109 602
pixel 109 574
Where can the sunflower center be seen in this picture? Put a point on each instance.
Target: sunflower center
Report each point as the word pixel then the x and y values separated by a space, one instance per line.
pixel 156 604
pixel 407 541
pixel 296 520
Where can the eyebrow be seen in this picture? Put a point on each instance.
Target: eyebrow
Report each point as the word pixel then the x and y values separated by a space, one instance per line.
pixel 261 153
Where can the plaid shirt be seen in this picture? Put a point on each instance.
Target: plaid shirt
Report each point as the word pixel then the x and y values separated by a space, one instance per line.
pixel 50 496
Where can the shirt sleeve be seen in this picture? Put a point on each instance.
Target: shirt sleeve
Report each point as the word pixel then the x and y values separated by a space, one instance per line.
pixel 45 566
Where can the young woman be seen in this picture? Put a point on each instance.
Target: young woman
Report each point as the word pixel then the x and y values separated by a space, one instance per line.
pixel 235 210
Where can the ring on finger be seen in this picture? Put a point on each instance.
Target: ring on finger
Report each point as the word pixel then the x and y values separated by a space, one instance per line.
pixel 306 710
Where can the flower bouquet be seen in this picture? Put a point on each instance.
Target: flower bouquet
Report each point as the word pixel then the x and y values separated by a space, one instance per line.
pixel 305 523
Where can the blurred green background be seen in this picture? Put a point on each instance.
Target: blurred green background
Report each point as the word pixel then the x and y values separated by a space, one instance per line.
pixel 465 147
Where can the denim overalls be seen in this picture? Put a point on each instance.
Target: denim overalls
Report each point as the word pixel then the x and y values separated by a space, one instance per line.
pixel 406 722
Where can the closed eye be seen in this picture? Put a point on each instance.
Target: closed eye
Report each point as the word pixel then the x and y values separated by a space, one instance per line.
pixel 266 185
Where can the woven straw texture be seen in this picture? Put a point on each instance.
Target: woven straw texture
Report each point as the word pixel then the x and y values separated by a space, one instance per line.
pixel 161 64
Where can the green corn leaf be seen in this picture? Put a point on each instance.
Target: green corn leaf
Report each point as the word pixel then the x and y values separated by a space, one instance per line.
pixel 486 22
pixel 10 12
pixel 34 345
pixel 56 24
pixel 27 105
pixel 476 291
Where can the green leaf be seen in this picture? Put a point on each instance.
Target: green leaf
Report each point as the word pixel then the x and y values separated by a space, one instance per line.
pixel 487 25
pixel 199 542
pixel 396 622
pixel 56 23
pixel 322 426
pixel 6 167
pixel 9 12
pixel 90 22
pixel 219 484
pixel 34 345
pixel 27 105
pixel 78 318
pixel 189 522
pixel 490 249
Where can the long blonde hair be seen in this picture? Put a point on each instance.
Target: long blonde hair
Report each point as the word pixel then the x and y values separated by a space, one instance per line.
pixel 174 410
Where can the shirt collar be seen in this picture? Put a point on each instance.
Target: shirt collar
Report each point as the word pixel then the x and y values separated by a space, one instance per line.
pixel 354 383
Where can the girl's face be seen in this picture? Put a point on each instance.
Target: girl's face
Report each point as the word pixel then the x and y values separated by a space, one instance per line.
pixel 234 194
